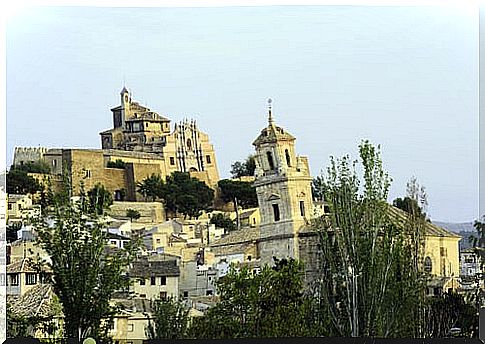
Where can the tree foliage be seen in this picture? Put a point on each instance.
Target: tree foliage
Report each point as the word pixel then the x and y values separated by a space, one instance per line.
pixel 180 192
pixel 241 193
pixel 318 188
pixel 152 187
pixel 245 168
pixel 187 195
pixel 133 214
pixel 118 163
pixel 263 305
pixel 222 221
pixel 39 166
pixel 99 199
pixel 372 282
pixel 19 182
pixel 84 274
pixel 170 320
pixel 409 205
pixel 450 310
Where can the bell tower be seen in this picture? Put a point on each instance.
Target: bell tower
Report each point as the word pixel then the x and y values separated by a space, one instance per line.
pixel 283 187
pixel 125 105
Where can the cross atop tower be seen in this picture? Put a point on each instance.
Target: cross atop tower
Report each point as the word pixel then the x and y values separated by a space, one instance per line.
pixel 270 115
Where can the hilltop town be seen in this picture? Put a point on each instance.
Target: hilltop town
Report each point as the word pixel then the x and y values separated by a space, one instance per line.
pixel 184 250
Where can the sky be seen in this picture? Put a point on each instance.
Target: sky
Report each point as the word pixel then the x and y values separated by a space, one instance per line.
pixel 405 78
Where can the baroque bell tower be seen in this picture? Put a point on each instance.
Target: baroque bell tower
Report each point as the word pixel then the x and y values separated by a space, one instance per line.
pixel 283 187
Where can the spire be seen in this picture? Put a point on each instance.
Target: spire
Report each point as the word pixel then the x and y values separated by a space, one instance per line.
pixel 270 116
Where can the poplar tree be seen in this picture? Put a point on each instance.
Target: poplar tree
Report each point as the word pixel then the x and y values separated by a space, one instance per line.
pixel 371 282
pixel 85 274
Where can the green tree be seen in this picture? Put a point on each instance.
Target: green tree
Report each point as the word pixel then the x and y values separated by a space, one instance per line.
pixel 372 284
pixel 186 195
pixel 448 311
pixel 84 275
pixel 19 182
pixel 222 221
pixel 170 320
pixel 133 214
pixel 39 166
pixel 245 168
pixel 263 305
pixel 318 188
pixel 99 199
pixel 151 186
pixel 118 163
pixel 239 193
pixel 409 205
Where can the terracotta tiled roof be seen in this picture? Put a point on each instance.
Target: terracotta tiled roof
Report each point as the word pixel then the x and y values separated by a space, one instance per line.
pixel 20 266
pixel 244 235
pixel 146 268
pixel 230 249
pixel 37 302
pixel 247 213
pixel 400 216
pixel 272 133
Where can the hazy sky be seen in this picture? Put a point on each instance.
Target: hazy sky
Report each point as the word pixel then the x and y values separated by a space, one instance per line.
pixel 402 77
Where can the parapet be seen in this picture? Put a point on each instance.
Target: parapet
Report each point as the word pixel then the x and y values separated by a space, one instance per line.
pixel 28 154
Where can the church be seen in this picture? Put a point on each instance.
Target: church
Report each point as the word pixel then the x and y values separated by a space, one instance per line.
pixel 283 186
pixel 143 141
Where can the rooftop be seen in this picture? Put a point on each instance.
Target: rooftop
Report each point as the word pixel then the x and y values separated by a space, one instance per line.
pixel 147 268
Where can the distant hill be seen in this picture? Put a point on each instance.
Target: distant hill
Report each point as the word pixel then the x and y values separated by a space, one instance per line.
pixel 456 227
pixel 463 229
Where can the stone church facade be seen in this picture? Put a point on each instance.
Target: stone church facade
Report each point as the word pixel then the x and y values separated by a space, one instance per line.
pixel 283 186
pixel 144 141
pixel 137 128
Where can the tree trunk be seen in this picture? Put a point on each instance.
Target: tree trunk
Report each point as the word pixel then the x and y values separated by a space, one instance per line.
pixel 236 208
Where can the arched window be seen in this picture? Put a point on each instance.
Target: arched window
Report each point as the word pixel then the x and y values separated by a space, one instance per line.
pixel 428 266
pixel 288 161
pixel 189 144
pixel 270 160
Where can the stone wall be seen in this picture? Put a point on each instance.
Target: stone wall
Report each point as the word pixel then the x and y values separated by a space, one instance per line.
pixel 137 172
pixel 24 155
pixel 151 212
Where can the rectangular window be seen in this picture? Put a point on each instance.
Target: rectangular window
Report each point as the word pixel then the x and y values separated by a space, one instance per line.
pixel 30 278
pixel 130 328
pixel 172 160
pixel 14 279
pixel 142 281
pixel 10 206
pixel 163 295
pixel 208 292
pixel 208 159
pixel 186 294
pixel 302 208
pixel 163 280
pixel 276 212
pixel 152 280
